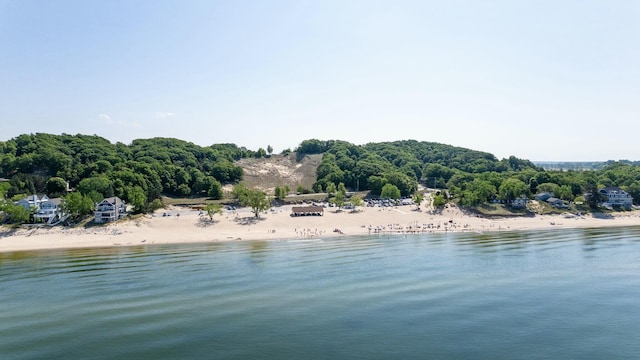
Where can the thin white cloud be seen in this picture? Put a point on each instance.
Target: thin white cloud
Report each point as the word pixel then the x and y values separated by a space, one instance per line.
pixel 164 115
pixel 120 123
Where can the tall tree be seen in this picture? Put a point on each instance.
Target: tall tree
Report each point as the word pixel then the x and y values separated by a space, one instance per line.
pixel 136 197
pixel 15 213
pixel 213 209
pixel 256 200
pixel 591 190
pixel 356 201
pixel 56 187
pixel 511 189
pixel 77 204
pixel 417 199
pixel 390 191
pixel 340 196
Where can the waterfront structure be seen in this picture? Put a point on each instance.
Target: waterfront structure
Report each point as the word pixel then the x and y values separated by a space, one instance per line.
pixel 615 197
pixel 110 209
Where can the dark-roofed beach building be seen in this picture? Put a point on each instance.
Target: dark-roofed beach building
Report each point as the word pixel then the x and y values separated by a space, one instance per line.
pixel 307 211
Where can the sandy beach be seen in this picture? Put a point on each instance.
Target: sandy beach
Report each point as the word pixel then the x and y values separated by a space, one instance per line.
pixel 180 225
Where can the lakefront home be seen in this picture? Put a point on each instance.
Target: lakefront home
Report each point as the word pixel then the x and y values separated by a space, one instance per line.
pixel 557 203
pixel 50 210
pixel 32 201
pixel 543 196
pixel 110 209
pixel 615 197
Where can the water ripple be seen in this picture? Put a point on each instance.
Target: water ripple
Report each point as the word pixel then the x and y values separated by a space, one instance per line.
pixel 550 294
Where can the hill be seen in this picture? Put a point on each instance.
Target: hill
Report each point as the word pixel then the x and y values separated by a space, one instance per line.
pixel 143 171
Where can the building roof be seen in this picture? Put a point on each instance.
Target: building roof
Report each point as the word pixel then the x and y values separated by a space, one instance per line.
pixel 612 189
pixel 307 209
pixel 114 200
pixel 56 201
pixel 543 196
pixel 32 198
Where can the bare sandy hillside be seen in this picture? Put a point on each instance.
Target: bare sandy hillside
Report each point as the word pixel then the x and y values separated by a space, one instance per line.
pixel 280 170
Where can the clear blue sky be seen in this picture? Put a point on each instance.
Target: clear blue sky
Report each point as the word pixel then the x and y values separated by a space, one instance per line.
pixel 542 80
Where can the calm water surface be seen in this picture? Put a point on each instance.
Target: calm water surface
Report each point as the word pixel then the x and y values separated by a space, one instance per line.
pixel 572 294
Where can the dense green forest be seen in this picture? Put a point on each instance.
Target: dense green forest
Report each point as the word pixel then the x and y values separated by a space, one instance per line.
pixel 147 168
pixel 139 172
pixel 470 177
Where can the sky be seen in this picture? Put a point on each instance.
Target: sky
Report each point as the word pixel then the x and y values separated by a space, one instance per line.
pixel 540 80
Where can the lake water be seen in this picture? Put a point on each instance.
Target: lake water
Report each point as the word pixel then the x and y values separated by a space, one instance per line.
pixel 569 294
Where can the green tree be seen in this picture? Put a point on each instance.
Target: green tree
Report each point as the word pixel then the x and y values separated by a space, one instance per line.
pixel 482 190
pixel 213 209
pixel 390 191
pixel 56 187
pixel 269 150
pixel 256 200
pixel 511 189
pixel 417 199
pixel 331 189
pixel 591 190
pixel 565 193
pixel 338 199
pixel 100 184
pixel 215 188
pixel 340 196
pixel 406 184
pixel 94 196
pixel 375 184
pixel 281 192
pixel 78 205
pixel 15 213
pixel 439 201
pixel 136 197
pixel 183 190
pixel 260 153
pixel 468 198
pixel 155 204
pixel 239 192
pixel 342 189
pixel 549 187
pixel 356 201
pixel 4 187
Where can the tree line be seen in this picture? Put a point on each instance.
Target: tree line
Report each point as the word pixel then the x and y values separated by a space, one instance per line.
pixel 144 170
pixel 469 177
pixel 138 173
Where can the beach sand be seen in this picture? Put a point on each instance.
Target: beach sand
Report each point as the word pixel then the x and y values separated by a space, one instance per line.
pixel 189 226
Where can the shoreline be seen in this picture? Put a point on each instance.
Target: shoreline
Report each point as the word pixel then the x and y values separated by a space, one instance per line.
pixel 182 226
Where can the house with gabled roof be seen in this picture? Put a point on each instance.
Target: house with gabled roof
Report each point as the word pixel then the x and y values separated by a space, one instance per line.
pixel 543 196
pixel 110 209
pixel 32 201
pixel 557 203
pixel 615 197
pixel 50 211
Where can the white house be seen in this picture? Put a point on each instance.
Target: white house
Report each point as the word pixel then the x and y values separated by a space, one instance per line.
pixel 614 196
pixel 110 209
pixel 32 201
pixel 49 211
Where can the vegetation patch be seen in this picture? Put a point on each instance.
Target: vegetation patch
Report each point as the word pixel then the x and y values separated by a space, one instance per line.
pixel 489 210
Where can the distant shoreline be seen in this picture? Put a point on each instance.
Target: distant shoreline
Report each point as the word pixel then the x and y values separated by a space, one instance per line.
pixel 181 225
